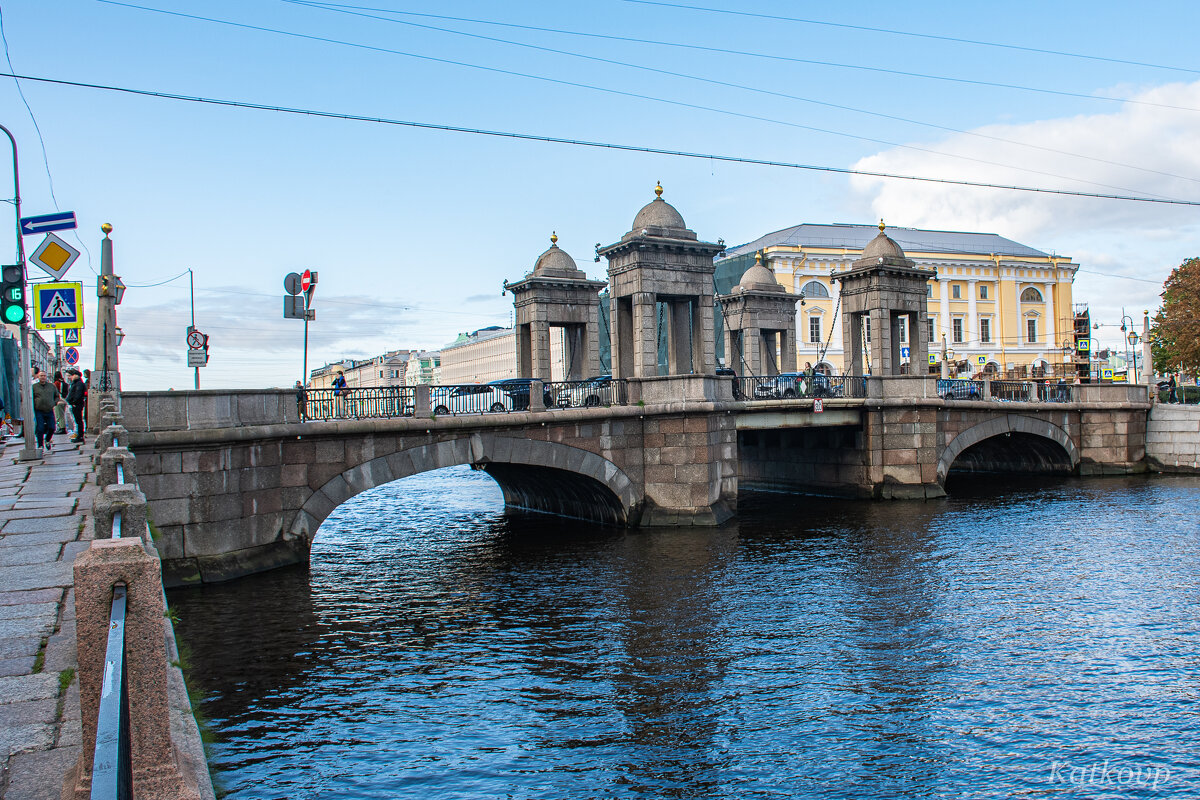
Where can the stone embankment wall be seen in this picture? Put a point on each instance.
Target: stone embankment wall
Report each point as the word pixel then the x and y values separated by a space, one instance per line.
pixel 1173 438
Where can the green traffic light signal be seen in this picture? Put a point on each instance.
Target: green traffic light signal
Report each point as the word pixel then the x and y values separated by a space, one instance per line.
pixel 12 295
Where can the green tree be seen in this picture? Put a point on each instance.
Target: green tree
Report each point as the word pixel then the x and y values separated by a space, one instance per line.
pixel 1175 332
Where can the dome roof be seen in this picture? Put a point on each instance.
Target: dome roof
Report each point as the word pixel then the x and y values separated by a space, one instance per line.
pixel 882 245
pixel 658 213
pixel 759 278
pixel 556 262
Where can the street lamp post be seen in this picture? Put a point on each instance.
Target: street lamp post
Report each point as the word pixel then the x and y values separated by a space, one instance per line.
pixel 1131 340
pixel 30 451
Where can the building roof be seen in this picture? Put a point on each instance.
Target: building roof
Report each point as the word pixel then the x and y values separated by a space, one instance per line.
pixel 856 237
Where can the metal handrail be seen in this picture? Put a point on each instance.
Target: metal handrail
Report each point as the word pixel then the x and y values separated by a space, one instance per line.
pixel 112 770
pixel 116 526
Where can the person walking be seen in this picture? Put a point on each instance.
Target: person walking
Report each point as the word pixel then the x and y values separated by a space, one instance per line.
pixel 340 392
pixel 301 401
pixel 77 399
pixel 60 403
pixel 44 398
pixel 1171 385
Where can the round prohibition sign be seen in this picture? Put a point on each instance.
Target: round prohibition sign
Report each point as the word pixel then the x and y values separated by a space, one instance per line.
pixel 196 340
pixel 71 356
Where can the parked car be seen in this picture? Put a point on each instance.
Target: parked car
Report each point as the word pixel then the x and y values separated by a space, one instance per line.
pixel 822 386
pixel 783 385
pixel 518 390
pixel 597 391
pixel 472 399
pixel 959 389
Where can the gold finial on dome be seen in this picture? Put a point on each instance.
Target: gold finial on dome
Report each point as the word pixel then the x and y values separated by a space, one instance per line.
pixel 881 224
pixel 658 189
pixel 554 238
pixel 758 257
pixel 107 228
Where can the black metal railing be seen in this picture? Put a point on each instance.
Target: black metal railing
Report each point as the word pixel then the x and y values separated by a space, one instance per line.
pixel 790 386
pixel 1186 395
pixel 960 389
pixel 1013 391
pixel 592 393
pixel 364 403
pixel 1053 392
pixel 112 771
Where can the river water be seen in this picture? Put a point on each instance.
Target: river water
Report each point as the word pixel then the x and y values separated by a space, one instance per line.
pixel 1037 638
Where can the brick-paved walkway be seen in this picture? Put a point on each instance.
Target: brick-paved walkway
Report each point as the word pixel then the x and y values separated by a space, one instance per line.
pixel 45 521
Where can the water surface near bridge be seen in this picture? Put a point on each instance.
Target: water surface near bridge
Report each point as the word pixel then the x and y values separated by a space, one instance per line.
pixel 1014 639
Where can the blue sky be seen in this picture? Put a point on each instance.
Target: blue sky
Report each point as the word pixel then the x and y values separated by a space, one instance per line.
pixel 414 231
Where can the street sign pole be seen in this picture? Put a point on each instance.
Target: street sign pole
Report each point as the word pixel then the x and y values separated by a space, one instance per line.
pixel 192 292
pixel 30 451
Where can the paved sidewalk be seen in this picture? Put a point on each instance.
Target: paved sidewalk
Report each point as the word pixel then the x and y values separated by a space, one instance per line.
pixel 45 521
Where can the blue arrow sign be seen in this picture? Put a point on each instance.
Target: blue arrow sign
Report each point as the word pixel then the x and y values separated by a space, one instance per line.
pixel 47 222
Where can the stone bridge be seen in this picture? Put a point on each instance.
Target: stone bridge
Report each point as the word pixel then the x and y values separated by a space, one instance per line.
pixel 237 484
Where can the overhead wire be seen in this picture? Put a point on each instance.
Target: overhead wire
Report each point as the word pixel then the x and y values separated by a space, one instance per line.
pixel 914 34
pixel 41 141
pixel 756 90
pixel 594 144
pixel 751 54
pixel 602 89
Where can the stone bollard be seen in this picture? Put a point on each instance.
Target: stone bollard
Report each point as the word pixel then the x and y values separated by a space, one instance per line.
pixel 106 472
pixel 537 395
pixel 155 760
pixel 421 409
pixel 127 499
pixel 112 436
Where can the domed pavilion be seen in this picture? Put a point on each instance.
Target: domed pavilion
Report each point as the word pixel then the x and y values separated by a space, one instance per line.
pixel 881 289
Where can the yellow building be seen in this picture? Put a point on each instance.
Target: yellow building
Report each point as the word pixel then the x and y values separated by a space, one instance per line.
pixel 1000 306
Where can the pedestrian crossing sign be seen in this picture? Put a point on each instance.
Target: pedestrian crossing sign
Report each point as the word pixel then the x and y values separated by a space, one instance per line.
pixel 57 306
pixel 71 336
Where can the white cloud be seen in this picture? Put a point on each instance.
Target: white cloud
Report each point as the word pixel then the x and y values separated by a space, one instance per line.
pixel 1136 243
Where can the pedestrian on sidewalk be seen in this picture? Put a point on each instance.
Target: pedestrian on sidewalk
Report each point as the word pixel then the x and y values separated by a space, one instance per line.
pixel 60 403
pixel 44 398
pixel 76 398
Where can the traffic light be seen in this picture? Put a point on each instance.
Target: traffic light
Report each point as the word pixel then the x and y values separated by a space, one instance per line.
pixel 104 286
pixel 12 295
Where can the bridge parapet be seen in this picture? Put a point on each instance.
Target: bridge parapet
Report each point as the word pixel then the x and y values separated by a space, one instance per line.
pixel 147 412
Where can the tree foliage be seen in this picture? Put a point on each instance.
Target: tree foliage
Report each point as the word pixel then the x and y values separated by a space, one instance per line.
pixel 1175 333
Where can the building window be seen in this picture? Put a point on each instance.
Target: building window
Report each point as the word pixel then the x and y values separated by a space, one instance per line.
pixel 931 336
pixel 1031 295
pixel 983 292
pixel 381 373
pixel 985 330
pixel 929 290
pixel 814 289
pixel 867 326
pixel 956 291
pixel 1031 330
pixel 903 326
pixel 956 329
pixel 814 330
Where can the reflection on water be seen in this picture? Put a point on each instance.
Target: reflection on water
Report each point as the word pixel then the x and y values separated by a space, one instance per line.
pixel 992 644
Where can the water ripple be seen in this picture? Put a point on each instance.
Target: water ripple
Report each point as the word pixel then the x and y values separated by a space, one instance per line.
pixel 1011 640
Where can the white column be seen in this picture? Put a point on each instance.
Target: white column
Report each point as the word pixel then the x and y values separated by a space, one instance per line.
pixel 1048 296
pixel 971 334
pixel 944 316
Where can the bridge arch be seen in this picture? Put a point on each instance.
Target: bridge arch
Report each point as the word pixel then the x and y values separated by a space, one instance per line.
pixel 1030 429
pixel 543 476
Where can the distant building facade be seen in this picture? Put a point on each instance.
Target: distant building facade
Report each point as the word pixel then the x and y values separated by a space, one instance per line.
pixel 1000 306
pixel 389 369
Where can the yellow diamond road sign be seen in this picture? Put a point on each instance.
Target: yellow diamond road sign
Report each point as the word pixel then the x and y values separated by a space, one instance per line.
pixel 57 306
pixel 55 256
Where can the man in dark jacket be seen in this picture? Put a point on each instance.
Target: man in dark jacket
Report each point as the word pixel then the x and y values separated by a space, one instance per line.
pixel 44 398
pixel 76 397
